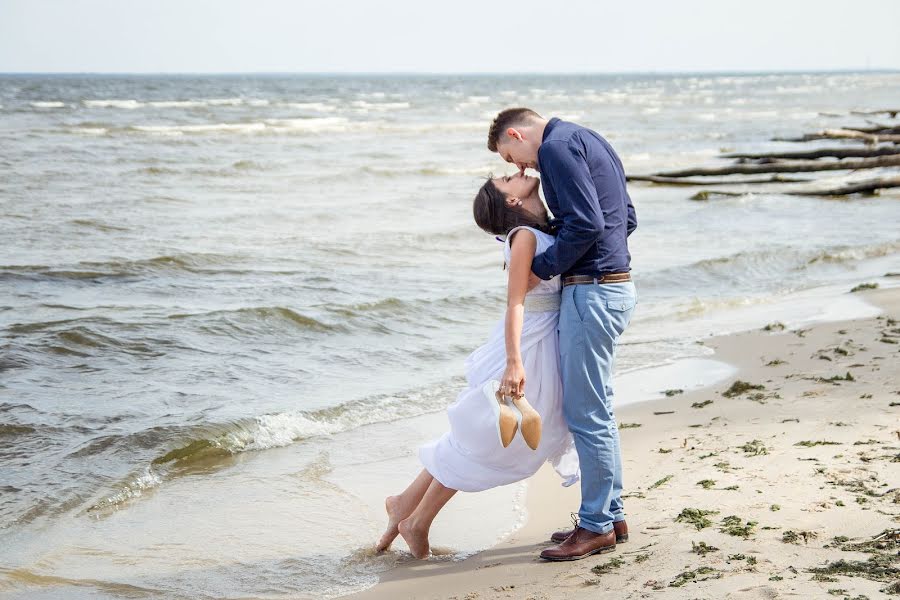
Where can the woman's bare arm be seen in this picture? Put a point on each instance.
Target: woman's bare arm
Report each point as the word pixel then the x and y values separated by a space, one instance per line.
pixel 522 249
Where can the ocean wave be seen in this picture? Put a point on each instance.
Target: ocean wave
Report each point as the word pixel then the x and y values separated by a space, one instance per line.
pixel 178 103
pixel 313 106
pixel 14 430
pixel 126 104
pixel 83 337
pixel 89 130
pixel 251 127
pixel 299 125
pixel 208 445
pixel 323 124
pixel 225 101
pixel 379 106
pixel 760 266
pixel 48 104
pixel 88 270
pixel 266 316
pixel 428 171
pixel 132 104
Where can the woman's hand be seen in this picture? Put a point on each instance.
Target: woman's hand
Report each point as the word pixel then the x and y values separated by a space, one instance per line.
pixel 513 382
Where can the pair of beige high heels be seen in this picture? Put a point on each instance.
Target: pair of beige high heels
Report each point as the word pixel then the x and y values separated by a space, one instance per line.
pixel 513 414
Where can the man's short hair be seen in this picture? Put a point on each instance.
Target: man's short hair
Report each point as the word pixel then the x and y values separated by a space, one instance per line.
pixel 511 117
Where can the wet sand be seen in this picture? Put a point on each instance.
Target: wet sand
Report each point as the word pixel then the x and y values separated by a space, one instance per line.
pixel 730 493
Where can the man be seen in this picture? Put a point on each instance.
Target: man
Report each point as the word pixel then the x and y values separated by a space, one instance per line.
pixel 584 186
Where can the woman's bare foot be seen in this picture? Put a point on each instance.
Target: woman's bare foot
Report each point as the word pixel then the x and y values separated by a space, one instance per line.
pixel 416 538
pixel 393 506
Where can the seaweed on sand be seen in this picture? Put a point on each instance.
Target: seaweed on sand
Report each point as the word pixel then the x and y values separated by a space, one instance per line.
pixel 696 517
pixel 696 575
pixel 739 387
pixel 754 448
pixel 733 525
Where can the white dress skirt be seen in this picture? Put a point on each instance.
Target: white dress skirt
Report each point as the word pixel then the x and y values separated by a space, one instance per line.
pixel 470 457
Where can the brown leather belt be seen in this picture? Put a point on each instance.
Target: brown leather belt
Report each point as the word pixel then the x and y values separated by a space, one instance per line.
pixel 607 278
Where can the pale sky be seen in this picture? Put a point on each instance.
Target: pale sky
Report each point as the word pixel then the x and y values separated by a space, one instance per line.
pixel 462 36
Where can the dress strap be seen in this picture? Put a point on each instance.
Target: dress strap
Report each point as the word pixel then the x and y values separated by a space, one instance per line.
pixel 508 241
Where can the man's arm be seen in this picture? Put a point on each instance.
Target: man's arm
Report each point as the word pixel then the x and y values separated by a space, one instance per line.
pixel 578 204
pixel 632 217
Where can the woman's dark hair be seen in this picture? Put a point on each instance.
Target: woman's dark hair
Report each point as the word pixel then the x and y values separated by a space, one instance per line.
pixel 494 216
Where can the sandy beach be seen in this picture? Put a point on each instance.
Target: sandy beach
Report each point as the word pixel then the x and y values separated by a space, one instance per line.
pixel 780 481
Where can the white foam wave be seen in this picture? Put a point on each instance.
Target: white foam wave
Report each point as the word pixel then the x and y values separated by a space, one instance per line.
pixel 314 106
pixel 274 125
pixel 225 101
pixel 126 104
pixel 177 103
pixel 379 106
pixel 134 488
pixel 312 125
pixel 211 128
pixel 90 130
pixel 281 429
pixel 48 104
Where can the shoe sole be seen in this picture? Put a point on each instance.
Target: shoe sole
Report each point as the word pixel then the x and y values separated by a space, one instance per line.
pixel 603 550
pixel 507 424
pixel 531 425
pixel 619 540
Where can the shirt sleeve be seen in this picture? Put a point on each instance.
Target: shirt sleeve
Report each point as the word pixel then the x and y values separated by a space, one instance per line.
pixel 632 218
pixel 582 220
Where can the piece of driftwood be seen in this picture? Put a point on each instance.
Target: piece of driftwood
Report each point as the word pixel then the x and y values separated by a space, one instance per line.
pixel 789 166
pixel 868 186
pixel 875 129
pixel 686 181
pixel 842 134
pixel 892 112
pixel 818 153
pixel 859 187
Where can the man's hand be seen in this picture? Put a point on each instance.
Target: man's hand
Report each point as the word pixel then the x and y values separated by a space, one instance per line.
pixel 533 280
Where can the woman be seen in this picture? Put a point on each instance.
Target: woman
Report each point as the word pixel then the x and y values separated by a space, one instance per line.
pixel 471 456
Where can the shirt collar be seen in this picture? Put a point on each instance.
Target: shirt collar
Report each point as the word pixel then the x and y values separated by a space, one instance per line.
pixel 549 127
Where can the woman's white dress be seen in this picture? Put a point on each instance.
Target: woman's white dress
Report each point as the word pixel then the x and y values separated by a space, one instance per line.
pixel 470 457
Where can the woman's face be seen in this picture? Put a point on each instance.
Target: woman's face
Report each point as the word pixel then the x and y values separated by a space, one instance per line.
pixel 517 186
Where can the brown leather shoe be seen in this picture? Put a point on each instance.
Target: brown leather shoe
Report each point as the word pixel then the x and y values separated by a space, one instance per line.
pixel 581 544
pixel 620 527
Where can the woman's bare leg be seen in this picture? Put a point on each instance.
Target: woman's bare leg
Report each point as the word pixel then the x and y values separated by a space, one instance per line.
pixel 400 507
pixel 415 527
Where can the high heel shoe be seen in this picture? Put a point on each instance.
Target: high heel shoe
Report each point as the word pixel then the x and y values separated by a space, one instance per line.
pixel 505 415
pixel 529 422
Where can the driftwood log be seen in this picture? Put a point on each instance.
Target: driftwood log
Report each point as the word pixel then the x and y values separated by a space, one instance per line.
pixel 869 186
pixel 686 181
pixel 876 129
pixel 789 166
pixel 818 153
pixel 859 187
pixel 882 150
pixel 892 112
pixel 845 134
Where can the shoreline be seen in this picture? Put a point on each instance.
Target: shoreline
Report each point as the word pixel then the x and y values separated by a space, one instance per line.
pixel 675 437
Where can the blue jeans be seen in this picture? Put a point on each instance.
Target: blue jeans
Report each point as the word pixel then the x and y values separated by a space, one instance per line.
pixel 592 317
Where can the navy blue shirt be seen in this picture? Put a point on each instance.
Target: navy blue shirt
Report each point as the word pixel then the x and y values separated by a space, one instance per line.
pixel 584 186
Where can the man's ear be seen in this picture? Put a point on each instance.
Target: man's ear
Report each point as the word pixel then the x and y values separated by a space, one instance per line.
pixel 514 133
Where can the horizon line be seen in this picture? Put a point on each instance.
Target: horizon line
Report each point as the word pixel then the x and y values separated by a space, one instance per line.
pixel 471 73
